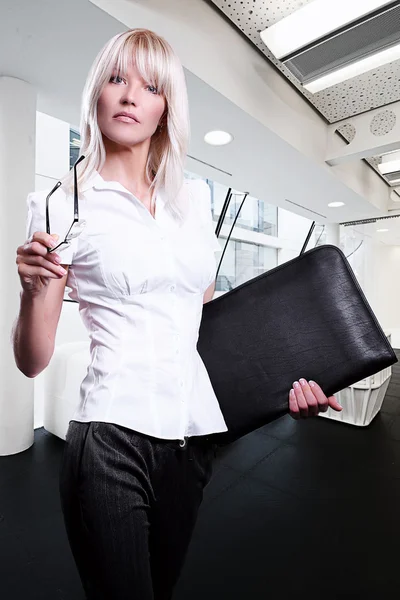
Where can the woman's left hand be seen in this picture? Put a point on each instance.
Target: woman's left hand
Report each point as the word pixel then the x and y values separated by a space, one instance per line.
pixel 308 399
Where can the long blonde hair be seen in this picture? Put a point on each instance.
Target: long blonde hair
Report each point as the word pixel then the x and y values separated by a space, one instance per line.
pixel 158 64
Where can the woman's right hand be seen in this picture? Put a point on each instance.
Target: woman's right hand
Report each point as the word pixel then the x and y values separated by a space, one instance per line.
pixel 37 266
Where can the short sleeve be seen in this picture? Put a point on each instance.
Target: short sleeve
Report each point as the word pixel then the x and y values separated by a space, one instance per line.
pixel 61 217
pixel 202 198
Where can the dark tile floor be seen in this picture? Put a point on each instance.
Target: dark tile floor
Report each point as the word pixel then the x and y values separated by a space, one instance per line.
pixel 306 508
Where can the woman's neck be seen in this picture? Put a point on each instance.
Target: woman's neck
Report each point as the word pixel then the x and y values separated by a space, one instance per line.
pixel 128 167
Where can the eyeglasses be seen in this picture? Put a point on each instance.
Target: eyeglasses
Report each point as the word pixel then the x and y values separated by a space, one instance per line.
pixel 77 225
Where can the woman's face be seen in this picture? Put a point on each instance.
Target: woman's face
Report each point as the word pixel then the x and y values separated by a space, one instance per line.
pixel 129 93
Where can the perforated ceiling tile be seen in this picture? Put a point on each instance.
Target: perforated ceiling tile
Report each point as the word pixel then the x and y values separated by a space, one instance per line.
pixel 262 12
pixel 383 122
pixel 374 161
pixel 368 91
pixel 348 131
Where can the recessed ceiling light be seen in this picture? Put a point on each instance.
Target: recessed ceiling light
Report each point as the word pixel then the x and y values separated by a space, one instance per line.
pixel 335 204
pixel 218 138
pixel 382 230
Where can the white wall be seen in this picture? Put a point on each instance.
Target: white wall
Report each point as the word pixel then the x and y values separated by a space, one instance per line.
pixel 292 230
pixel 376 266
pixel 52 150
pixel 387 283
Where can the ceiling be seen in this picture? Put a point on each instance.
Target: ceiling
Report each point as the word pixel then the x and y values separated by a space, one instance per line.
pixel 374 89
pixel 35 46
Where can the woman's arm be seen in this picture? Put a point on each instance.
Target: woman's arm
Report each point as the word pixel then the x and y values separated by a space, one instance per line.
pixel 209 293
pixel 34 331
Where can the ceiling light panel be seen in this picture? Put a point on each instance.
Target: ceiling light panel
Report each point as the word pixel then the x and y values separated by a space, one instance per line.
pixel 365 45
pixel 314 21
pixel 354 70
pixel 390 162
pixel 393 178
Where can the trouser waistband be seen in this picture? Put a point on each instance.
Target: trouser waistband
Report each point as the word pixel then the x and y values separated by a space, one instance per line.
pixel 201 440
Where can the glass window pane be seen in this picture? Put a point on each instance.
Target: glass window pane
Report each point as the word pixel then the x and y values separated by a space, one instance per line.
pixel 74 147
pixel 269 219
pixel 244 261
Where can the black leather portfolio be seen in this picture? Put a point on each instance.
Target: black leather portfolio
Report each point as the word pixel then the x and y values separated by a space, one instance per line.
pixel 305 318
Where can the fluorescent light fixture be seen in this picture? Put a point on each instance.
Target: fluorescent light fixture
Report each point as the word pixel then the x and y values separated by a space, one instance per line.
pixel 382 230
pixel 389 167
pixel 218 138
pixel 390 163
pixel 313 21
pixel 335 204
pixel 362 66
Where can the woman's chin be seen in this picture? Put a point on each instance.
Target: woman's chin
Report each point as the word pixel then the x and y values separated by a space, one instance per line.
pixel 125 141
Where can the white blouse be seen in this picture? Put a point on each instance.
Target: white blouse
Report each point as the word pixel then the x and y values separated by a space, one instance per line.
pixel 140 283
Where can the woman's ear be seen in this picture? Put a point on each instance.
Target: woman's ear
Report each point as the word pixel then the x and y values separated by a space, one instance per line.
pixel 163 120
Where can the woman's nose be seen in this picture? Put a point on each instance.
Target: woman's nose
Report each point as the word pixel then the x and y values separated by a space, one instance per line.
pixel 130 95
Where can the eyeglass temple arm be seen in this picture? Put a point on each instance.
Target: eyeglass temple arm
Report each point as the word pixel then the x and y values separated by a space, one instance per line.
pixel 76 208
pixel 47 206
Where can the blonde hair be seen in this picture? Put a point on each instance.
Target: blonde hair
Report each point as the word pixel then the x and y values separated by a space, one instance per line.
pixel 158 64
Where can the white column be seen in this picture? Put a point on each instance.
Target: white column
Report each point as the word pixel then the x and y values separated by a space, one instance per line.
pixel 17 180
pixel 333 234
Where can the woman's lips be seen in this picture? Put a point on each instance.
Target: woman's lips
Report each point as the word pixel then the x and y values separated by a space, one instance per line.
pixel 125 119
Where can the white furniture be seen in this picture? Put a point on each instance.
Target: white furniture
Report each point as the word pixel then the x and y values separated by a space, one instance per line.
pixel 362 401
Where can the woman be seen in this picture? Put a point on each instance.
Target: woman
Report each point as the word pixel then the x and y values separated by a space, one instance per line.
pixel 138 454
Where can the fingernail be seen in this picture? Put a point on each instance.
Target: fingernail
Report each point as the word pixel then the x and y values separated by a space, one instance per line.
pixel 296 384
pixel 303 381
pixel 312 383
pixel 62 271
pixel 52 243
pixel 292 392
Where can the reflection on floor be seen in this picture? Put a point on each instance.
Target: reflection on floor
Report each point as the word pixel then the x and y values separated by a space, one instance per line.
pixel 295 508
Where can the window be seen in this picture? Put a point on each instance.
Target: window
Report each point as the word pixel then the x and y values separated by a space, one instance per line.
pixel 256 215
pixel 74 147
pixel 243 261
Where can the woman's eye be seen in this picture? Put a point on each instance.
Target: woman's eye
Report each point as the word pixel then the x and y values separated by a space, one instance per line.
pixel 152 89
pixel 115 77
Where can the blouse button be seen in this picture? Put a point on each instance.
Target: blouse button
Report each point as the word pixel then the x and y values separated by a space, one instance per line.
pixel 172 288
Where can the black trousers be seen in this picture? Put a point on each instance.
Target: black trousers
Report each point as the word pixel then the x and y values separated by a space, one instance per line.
pixel 130 504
